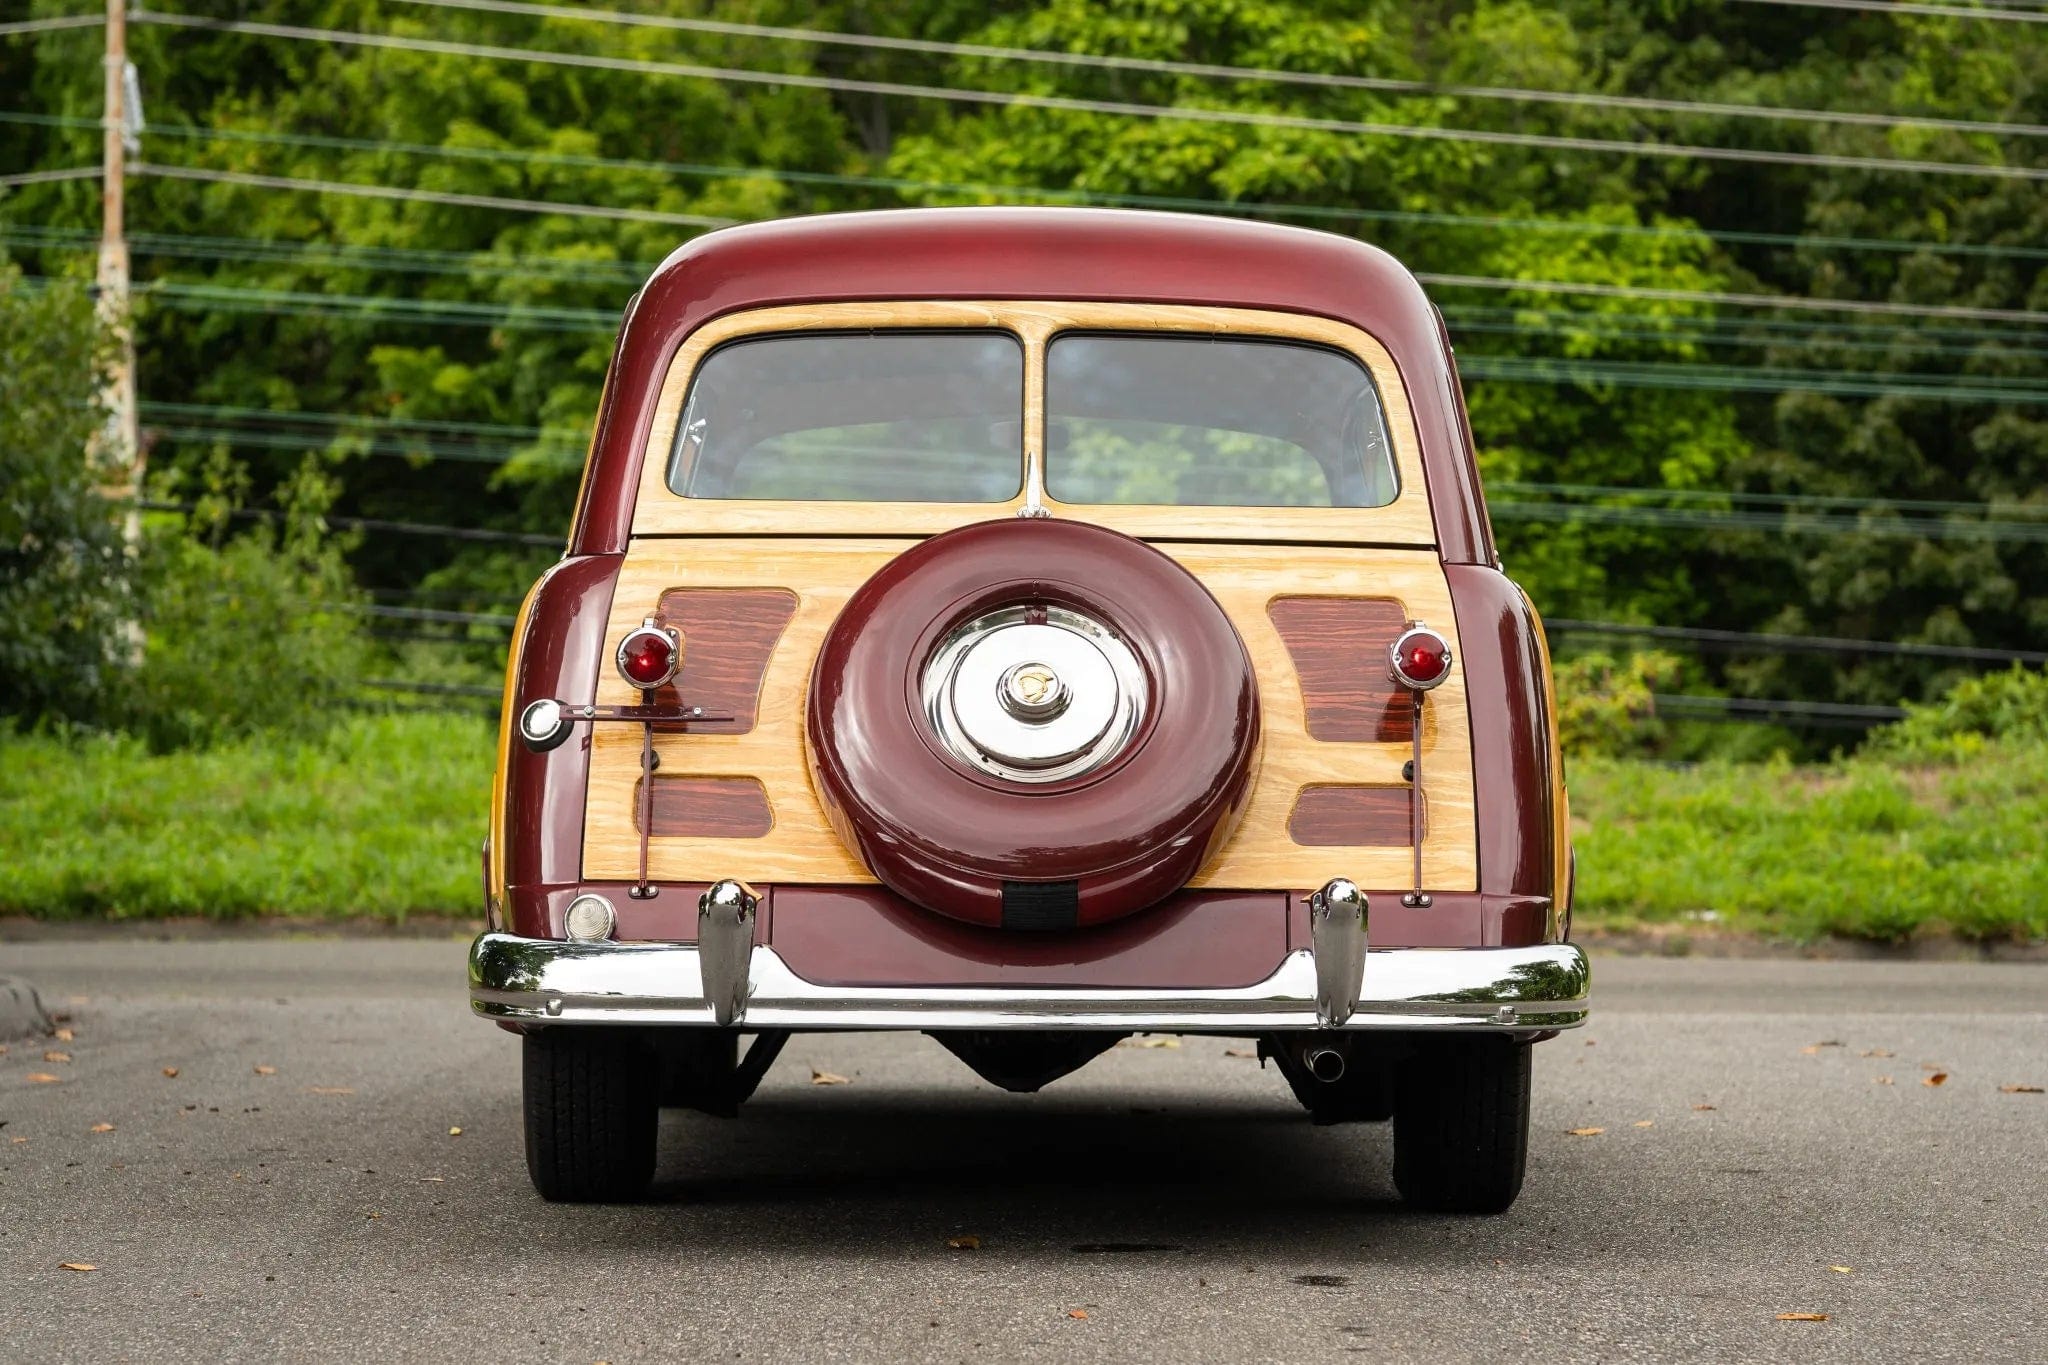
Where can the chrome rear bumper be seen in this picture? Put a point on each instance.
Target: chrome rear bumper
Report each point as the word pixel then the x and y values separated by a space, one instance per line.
pixel 546 981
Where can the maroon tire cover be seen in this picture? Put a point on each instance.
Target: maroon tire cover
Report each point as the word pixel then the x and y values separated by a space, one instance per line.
pixel 975 846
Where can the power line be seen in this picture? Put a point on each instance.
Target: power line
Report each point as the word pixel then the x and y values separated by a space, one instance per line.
pixel 1805 301
pixel 25 26
pixel 1795 644
pixel 1683 518
pixel 1823 713
pixel 1748 379
pixel 1934 11
pixel 1231 208
pixel 47 177
pixel 1118 108
pixel 1157 66
pixel 481 201
pixel 1782 501
pixel 403 528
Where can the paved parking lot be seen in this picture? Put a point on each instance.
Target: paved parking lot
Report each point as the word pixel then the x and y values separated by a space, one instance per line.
pixel 296 1191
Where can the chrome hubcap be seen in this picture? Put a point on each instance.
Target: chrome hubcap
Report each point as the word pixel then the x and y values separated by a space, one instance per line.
pixel 1034 696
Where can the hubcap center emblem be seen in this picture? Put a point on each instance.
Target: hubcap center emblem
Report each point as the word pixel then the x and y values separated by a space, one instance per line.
pixel 1032 691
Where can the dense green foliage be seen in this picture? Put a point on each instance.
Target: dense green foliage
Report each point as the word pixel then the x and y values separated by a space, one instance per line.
pixel 445 358
pixel 63 568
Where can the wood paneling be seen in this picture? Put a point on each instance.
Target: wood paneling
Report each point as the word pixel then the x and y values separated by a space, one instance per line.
pixel 1332 816
pixel 823 573
pixel 707 808
pixel 1406 521
pixel 728 635
pixel 1339 647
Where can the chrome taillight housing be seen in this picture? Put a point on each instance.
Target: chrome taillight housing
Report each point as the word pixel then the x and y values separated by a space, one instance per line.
pixel 648 656
pixel 1420 659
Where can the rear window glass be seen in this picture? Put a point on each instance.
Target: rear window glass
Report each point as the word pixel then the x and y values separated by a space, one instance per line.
pixel 868 417
pixel 1213 422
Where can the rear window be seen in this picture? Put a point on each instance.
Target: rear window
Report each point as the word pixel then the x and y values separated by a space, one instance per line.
pixel 1212 422
pixel 867 417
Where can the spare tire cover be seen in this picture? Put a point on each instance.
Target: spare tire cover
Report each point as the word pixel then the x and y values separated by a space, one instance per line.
pixel 1032 723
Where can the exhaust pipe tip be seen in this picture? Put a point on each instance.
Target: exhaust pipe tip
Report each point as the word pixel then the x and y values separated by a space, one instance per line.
pixel 1326 1064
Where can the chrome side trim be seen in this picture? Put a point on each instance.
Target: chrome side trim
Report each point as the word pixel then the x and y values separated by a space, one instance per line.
pixel 550 981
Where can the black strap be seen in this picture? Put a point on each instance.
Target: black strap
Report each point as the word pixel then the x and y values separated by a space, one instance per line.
pixel 1041 905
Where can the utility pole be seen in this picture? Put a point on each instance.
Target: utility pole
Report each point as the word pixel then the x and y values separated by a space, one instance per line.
pixel 119 452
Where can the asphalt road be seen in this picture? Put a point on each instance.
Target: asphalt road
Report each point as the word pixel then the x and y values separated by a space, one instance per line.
pixel 295 1191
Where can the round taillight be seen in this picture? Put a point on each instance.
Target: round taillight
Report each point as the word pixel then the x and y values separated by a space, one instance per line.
pixel 647 656
pixel 1420 659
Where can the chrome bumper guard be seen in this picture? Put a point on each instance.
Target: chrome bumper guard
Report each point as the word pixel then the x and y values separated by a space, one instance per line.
pixel 547 981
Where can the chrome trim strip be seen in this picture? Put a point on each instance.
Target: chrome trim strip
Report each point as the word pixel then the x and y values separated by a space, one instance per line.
pixel 550 981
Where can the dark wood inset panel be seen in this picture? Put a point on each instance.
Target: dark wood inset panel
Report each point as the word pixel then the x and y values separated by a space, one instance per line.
pixel 1339 647
pixel 1351 817
pixel 707 808
pixel 728 634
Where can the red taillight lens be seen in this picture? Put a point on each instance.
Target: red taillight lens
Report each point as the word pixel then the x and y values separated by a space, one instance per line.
pixel 1421 658
pixel 647 657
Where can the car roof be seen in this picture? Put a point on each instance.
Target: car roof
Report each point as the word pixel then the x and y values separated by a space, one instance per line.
pixel 1074 254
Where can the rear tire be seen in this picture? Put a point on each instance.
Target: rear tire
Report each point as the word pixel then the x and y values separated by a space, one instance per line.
pixel 592 1114
pixel 1461 1123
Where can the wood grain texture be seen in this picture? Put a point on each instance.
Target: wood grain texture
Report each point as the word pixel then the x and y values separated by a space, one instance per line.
pixel 1332 816
pixel 1245 579
pixel 1339 647
pixel 707 808
pixel 1406 521
pixel 728 634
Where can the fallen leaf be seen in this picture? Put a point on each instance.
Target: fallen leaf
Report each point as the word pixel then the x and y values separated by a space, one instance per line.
pixel 1584 1132
pixel 3 1049
pixel 1932 1066
pixel 967 1243
pixel 1880 1052
pixel 76 1265
pixel 18 1141
pixel 1153 1041
pixel 171 1071
pixel 1646 1123
pixel 454 1132
pixel 1703 1108
pixel 65 1035
pixel 54 1056
pixel 819 1077
pixel 329 1090
pixel 1843 1269
pixel 1802 1317
pixel 43 1078
pixel 1880 1080
pixel 2019 1089
pixel 101 1128
pixel 1938 1078
pixel 1240 1052
pixel 266 1070
pixel 1078 1313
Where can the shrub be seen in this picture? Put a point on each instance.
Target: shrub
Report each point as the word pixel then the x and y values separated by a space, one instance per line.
pixel 259 632
pixel 2011 705
pixel 1605 706
pixel 64 573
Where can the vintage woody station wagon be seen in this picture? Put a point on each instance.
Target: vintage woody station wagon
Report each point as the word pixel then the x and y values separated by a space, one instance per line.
pixel 1030 627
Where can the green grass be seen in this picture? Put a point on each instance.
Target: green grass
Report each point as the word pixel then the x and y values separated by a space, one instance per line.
pixel 383 818
pixel 1865 848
